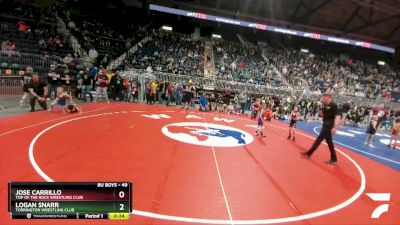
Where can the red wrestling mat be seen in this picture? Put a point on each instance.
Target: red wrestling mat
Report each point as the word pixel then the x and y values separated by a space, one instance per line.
pixel 191 167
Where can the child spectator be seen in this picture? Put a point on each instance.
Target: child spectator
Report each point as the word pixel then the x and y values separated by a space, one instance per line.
pixel 395 133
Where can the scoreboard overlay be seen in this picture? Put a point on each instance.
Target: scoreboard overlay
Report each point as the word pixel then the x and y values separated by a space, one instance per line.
pixel 69 200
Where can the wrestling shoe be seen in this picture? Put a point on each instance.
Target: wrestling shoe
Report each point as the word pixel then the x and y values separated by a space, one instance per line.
pixel 331 162
pixel 305 154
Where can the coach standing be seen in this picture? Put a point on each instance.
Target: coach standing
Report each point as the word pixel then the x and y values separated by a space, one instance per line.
pixel 330 122
pixel 38 90
pixel 53 79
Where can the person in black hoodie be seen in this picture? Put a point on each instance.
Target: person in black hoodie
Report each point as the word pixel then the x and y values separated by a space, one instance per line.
pixel 116 83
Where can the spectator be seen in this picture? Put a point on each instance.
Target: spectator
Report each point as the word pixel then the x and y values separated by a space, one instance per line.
pixel 169 90
pixel 178 94
pixel 87 82
pixel 66 81
pixel 117 87
pixel 242 98
pixel 22 26
pixel 102 82
pixel 203 103
pixel 53 78
pixel 153 90
pixel 25 79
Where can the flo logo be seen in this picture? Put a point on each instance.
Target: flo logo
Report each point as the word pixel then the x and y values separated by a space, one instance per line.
pixel 379 197
pixel 207 134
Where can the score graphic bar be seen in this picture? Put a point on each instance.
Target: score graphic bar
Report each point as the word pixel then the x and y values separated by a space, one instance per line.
pixel 70 200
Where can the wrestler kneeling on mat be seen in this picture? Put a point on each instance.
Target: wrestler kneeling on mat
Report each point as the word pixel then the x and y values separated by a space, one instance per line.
pixel 61 101
pixel 38 90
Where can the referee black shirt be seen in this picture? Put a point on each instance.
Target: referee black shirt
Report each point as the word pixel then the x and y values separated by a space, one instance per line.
pixel 329 112
pixel 38 88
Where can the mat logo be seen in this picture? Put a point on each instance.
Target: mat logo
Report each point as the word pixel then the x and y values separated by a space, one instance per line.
pixel 157 116
pixel 379 197
pixel 207 134
pixel 386 141
pixel 193 117
pixel 223 120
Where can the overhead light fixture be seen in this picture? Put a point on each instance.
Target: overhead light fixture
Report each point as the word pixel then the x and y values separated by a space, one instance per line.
pixel 218 36
pixel 167 28
pixel 304 50
pixel 381 63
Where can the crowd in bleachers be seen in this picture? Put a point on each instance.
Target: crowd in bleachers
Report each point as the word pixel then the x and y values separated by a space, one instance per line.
pixel 107 42
pixel 337 74
pixel 171 53
pixel 32 30
pixel 240 63
pixel 315 73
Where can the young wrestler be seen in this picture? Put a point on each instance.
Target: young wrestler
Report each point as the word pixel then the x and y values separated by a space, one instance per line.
pixel 61 100
pixel 268 114
pixel 260 121
pixel 371 130
pixel 230 108
pixel 203 104
pixel 72 108
pixel 294 117
pixel 187 97
pixel 395 133
pixel 255 109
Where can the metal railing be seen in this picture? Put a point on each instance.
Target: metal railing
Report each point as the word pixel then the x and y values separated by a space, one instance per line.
pixel 222 85
pixel 357 100
pixel 202 81
pixel 10 86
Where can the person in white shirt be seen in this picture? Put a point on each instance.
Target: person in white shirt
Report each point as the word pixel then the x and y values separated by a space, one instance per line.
pixel 233 66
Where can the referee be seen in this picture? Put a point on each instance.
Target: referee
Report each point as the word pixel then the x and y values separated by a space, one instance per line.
pixel 38 91
pixel 330 121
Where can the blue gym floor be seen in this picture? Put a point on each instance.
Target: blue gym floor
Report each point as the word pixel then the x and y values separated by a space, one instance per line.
pixel 353 139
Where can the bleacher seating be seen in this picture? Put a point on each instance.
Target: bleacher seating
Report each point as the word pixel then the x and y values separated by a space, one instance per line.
pixel 172 53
